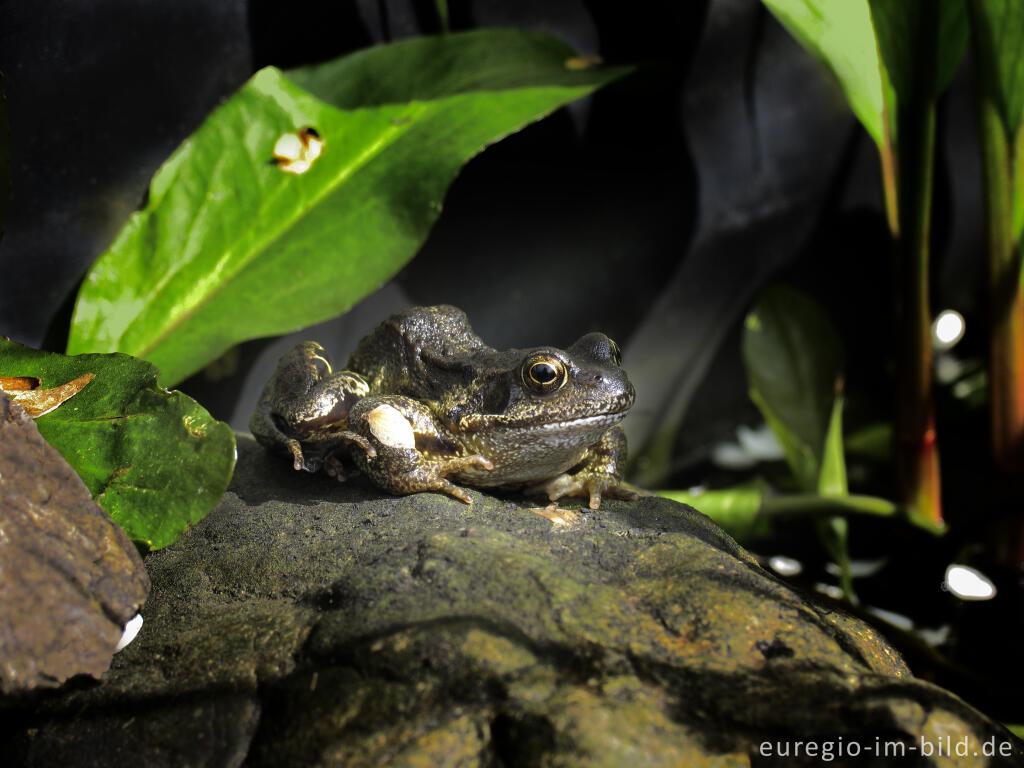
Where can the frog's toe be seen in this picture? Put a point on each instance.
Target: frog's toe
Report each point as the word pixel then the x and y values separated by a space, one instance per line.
pixel 334 468
pixel 300 461
pixel 592 487
pixel 446 486
pixel 557 487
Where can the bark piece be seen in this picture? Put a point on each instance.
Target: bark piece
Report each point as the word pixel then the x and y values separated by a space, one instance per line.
pixel 69 576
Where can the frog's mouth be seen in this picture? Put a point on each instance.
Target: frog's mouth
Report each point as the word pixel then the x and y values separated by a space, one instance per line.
pixel 601 420
pixel 478 422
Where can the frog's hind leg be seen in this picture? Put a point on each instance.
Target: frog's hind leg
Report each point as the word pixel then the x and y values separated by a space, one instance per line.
pixel 333 465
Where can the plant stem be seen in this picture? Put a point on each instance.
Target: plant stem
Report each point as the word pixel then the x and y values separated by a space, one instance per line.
pixel 916 446
pixel 812 503
pixel 1006 303
pixel 442 16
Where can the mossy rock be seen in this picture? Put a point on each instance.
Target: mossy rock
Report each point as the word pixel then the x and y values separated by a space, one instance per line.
pixel 310 623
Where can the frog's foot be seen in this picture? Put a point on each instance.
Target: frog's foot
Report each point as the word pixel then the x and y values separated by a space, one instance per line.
pixel 457 464
pixel 299 461
pixel 587 484
pixel 356 439
pixel 334 468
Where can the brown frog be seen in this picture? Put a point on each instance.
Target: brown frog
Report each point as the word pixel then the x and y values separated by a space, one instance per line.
pixel 424 402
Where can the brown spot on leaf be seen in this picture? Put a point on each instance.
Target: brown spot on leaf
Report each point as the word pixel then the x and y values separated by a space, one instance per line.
pixel 37 402
pixel 18 383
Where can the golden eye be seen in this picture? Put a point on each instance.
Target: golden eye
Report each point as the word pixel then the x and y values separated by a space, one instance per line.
pixel 544 373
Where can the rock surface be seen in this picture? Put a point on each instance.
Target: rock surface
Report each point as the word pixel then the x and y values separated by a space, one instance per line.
pixel 307 623
pixel 69 576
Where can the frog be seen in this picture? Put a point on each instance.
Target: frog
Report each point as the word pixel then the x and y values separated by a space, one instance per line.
pixel 424 404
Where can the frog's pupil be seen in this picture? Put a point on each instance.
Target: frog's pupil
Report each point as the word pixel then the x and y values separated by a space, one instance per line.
pixel 543 373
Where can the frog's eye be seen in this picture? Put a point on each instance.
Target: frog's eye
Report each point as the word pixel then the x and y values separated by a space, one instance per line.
pixel 616 353
pixel 544 374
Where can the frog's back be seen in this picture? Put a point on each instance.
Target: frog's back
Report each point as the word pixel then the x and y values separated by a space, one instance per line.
pixel 403 354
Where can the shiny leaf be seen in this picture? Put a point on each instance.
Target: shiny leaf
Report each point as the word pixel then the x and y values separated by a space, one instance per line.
pixel 840 34
pixel 155 460
pixel 793 361
pixel 737 510
pixel 231 247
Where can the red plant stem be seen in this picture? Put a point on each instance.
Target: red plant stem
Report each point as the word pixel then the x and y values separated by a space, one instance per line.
pixel 1006 303
pixel 917 452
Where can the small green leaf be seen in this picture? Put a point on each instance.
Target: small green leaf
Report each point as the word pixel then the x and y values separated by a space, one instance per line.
pixel 832 480
pixel 793 359
pixel 737 510
pixel 840 34
pixel 229 247
pixel 873 442
pixel 834 532
pixel 155 460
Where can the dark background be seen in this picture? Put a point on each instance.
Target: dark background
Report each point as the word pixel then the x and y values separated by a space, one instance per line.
pixel 654 210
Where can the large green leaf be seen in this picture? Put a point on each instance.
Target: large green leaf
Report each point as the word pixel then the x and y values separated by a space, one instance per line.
pixel 793 359
pixel 155 460
pixel 840 34
pixel 229 247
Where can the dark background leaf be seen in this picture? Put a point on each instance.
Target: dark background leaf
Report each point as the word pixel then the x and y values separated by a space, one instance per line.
pixel 999 27
pixel 918 66
pixel 155 460
pixel 793 358
pixel 5 170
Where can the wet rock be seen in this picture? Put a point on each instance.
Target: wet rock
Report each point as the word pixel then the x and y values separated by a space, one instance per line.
pixel 308 623
pixel 69 577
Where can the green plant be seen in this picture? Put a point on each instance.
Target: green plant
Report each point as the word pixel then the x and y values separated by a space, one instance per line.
pixel 893 59
pixel 225 230
pixel 241 237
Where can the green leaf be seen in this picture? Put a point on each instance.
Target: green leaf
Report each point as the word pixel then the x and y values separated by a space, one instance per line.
pixel 921 44
pixel 840 34
pixel 834 532
pixel 230 248
pixel 832 480
pixel 997 28
pixel 155 460
pixel 793 359
pixel 873 442
pixel 737 510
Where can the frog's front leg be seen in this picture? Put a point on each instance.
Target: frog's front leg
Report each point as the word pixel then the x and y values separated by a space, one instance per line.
pixel 303 410
pixel 411 452
pixel 598 475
